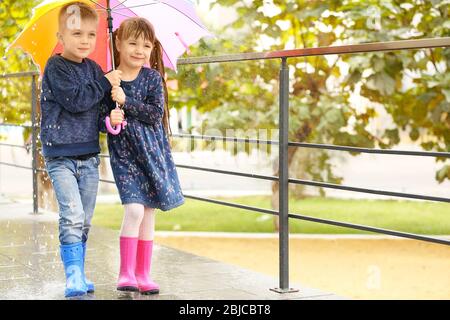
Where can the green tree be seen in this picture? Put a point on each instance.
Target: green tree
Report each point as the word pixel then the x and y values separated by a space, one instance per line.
pixel 15 97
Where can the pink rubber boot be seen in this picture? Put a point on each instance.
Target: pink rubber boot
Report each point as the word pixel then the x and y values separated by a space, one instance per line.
pixel 143 263
pixel 127 280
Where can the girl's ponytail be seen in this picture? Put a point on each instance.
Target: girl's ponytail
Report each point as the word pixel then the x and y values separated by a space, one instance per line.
pixel 116 52
pixel 156 62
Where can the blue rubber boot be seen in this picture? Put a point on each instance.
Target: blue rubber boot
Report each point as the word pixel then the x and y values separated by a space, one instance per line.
pixel 89 284
pixel 72 257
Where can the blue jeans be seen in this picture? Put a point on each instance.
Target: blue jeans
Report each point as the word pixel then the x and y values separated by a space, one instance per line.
pixel 75 183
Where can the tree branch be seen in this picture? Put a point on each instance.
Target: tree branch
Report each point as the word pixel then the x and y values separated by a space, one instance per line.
pixel 433 60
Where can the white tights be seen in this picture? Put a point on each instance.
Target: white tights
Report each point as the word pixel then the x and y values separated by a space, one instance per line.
pixel 138 221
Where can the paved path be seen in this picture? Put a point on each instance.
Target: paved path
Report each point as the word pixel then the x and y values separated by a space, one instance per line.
pixel 30 267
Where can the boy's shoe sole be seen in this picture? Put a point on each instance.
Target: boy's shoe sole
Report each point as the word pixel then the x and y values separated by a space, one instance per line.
pixel 74 293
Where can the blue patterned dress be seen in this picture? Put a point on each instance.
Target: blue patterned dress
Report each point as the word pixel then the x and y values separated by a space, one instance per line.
pixel 140 155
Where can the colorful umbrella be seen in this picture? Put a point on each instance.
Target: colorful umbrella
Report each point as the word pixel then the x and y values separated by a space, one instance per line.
pixel 176 25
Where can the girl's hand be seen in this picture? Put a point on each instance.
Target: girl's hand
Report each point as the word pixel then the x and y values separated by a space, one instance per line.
pixel 114 77
pixel 116 117
pixel 118 95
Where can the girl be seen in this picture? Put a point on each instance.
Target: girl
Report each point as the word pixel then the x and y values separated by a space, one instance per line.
pixel 141 160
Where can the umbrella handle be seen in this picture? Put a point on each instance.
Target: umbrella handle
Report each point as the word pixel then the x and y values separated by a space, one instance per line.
pixel 113 130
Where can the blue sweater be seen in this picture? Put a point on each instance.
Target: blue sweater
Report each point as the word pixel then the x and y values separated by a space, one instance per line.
pixel 70 101
pixel 141 159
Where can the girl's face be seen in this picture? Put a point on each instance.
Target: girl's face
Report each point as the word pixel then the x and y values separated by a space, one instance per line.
pixel 134 52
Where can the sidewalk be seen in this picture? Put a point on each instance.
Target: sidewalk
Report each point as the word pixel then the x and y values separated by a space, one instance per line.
pixel 30 267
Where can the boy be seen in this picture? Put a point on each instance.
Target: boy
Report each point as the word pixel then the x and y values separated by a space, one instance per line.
pixel 72 88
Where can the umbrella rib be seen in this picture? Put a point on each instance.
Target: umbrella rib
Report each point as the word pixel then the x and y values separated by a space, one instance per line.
pixel 100 5
pixel 186 16
pixel 124 15
pixel 121 3
pixel 167 58
pixel 141 5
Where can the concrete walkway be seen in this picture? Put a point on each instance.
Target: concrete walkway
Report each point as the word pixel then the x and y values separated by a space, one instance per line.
pixel 30 267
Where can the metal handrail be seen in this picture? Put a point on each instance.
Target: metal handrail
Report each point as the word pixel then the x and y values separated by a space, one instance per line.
pixel 344 49
pixel 13 145
pixel 14 165
pixel 370 191
pixel 370 229
pixel 318 146
pixel 15 125
pixel 234 173
pixel 19 75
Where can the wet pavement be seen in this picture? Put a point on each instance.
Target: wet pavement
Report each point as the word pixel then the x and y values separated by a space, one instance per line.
pixel 30 267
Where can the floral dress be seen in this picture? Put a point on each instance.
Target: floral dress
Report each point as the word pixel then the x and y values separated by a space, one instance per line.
pixel 140 155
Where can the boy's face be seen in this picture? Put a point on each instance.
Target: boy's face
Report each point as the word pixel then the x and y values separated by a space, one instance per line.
pixel 134 52
pixel 78 43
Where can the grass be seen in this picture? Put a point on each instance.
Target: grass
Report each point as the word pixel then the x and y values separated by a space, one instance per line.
pixel 407 216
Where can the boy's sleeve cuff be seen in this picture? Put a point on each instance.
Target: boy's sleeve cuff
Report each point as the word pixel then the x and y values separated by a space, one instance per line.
pixel 104 83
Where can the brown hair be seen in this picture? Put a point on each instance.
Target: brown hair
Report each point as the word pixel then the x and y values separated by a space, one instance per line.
pixel 86 12
pixel 136 27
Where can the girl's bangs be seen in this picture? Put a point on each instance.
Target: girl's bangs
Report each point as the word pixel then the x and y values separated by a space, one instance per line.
pixel 136 29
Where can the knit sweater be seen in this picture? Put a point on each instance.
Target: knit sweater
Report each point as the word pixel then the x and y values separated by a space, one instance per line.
pixel 70 101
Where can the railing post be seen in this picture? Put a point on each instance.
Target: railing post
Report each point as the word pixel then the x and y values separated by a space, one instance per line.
pixel 34 154
pixel 283 178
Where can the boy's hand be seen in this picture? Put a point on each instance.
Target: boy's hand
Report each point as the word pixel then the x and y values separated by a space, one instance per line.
pixel 114 77
pixel 118 95
pixel 116 117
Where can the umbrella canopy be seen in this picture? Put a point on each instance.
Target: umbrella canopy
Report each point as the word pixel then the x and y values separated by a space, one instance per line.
pixel 176 25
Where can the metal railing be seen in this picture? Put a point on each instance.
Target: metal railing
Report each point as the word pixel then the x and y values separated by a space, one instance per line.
pixel 283 143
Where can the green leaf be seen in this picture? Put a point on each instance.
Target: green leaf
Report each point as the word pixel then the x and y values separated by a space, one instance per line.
pixel 446 93
pixel 382 83
pixel 443 173
pixel 414 134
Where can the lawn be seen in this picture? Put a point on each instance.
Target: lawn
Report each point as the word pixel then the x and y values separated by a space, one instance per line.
pixel 408 216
